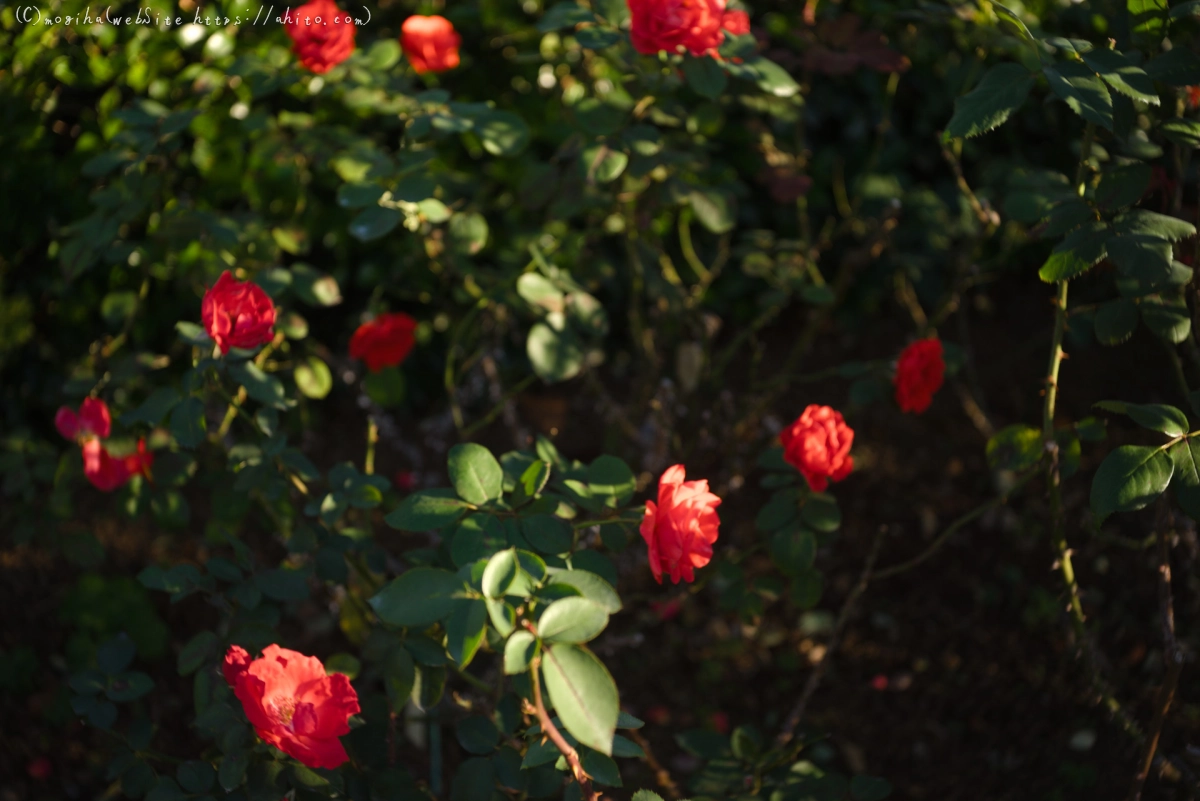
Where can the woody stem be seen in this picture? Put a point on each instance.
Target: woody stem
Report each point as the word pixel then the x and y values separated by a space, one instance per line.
pixel 560 742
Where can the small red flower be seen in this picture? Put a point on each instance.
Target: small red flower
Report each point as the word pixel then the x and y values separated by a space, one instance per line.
pixel 384 342
pixel 680 530
pixel 666 610
pixel 100 467
pixel 670 25
pixel 293 704
pixel 139 464
pixel 1193 96
pixel 879 683
pixel 818 445
pixel 237 314
pixel 719 721
pixel 920 371
pixel 431 43
pixel 322 35
pixel 405 480
pixel 93 420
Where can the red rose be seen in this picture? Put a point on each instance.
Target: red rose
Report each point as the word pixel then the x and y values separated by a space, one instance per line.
pixel 818 445
pixel 736 22
pixel 383 342
pixel 919 373
pixel 322 35
pixel 100 467
pixel 139 464
pixel 671 24
pixel 292 704
pixel 93 420
pixel 1193 96
pixel 238 314
pixel 431 43
pixel 680 530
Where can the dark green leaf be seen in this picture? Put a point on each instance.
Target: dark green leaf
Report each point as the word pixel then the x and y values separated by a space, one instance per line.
pixel 548 534
pixel 475 473
pixel 1147 22
pixel 418 597
pixel 1122 74
pixel 282 585
pixel 591 586
pixel 477 734
pixel 427 509
pixel 1115 321
pixel 465 630
pixel 1016 447
pixel 1076 253
pixel 1000 93
pixel 374 222
pixel 1080 89
pixel 1154 416
pixel 705 76
pixel 187 423
pixel 1129 478
pixel 1185 480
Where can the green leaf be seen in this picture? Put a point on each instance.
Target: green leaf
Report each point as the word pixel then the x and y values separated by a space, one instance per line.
pixel 165 790
pixel 1147 22
pixel 387 387
pixel 1009 19
pixel 266 389
pixel 346 664
pixel 595 37
pixel 518 652
pixel 426 510
pixel 1188 9
pixel 532 481
pixel 465 630
pixel 601 768
pixel 1185 480
pixel 198 649
pixel 429 686
pixel 503 133
pixel 315 287
pixel 195 776
pixel 1082 91
pixel 154 408
pixel 1076 253
pixel 1150 223
pixel 500 573
pixel 548 534
pixel 574 620
pixel 187 424
pixel 475 473
pixel 583 693
pixel 591 586
pixel 1154 416
pixel 715 209
pixel 126 687
pixel 705 76
pixel 477 537
pixel 1001 92
pixel 646 795
pixel 1178 66
pixel 771 78
pixel 602 164
pixel 599 118
pixel 555 355
pixel 608 475
pixel 477 734
pixel 1115 321
pixel 793 550
pixel 473 781
pixel 821 513
pixel 400 674
pixel 1129 478
pixel 869 788
pixel 1185 133
pixel 503 616
pixel 1016 447
pixel 374 222
pixel 468 233
pixel 1167 317
pixel 418 597
pixel 1122 75
pixel 564 15
pixel 282 585
pixel 232 771
pixel 313 378
pixel 1120 187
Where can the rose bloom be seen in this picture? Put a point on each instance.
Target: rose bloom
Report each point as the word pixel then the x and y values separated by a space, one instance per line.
pixel 93 420
pixel 237 314
pixel 384 342
pixel 680 529
pixel 292 704
pixel 107 472
pixel 919 374
pixel 736 22
pixel 431 43
pixel 692 24
pixel 323 45
pixel 818 445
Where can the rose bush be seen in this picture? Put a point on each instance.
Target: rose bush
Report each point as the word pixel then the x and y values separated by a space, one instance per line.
pixel 612 237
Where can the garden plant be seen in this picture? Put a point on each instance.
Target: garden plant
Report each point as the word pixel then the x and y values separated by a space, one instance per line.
pixel 470 400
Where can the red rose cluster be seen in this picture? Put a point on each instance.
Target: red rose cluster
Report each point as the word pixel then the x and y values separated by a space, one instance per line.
pixel 292 703
pixel 89 427
pixel 674 25
pixel 323 36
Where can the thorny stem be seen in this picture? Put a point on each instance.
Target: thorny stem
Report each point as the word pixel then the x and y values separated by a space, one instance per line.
pixel 814 679
pixel 1171 653
pixel 661 774
pixel 560 742
pixel 904 567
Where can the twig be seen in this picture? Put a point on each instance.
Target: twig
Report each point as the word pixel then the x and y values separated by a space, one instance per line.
pixel 903 567
pixel 1172 654
pixel 814 679
pixel 372 438
pixel 661 774
pixel 560 742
